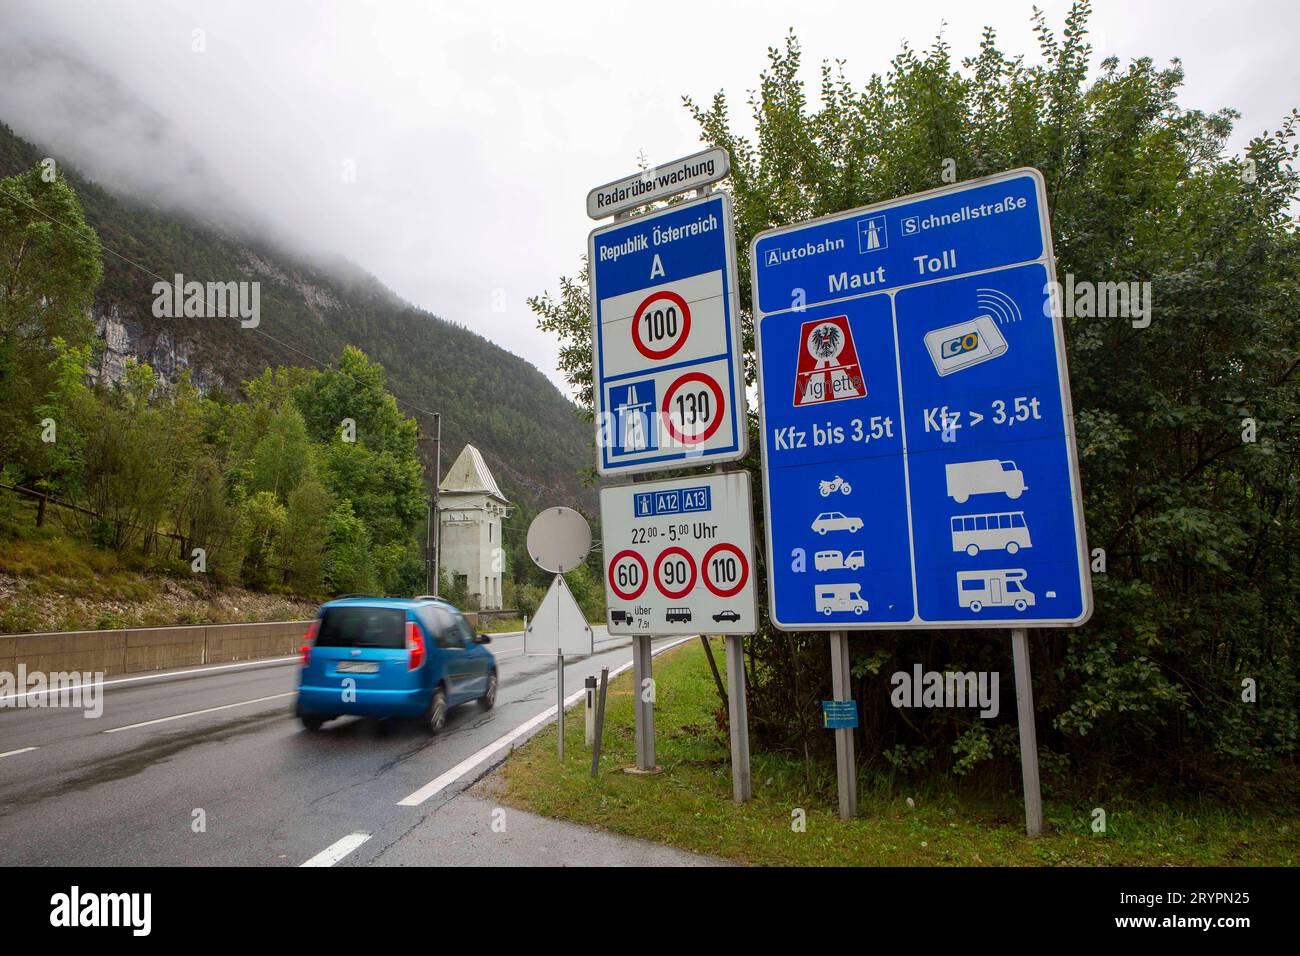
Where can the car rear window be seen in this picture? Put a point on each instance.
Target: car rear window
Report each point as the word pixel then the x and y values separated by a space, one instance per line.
pixel 362 627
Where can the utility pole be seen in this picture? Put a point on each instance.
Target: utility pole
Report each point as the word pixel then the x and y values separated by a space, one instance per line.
pixel 432 519
pixel 437 516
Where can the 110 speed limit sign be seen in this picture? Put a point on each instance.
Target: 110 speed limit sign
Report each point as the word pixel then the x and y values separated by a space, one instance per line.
pixel 679 556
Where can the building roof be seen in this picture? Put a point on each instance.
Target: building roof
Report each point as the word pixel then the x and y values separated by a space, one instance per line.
pixel 470 474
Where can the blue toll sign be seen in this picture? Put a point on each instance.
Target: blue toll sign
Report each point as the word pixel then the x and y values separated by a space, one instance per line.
pixel 918 442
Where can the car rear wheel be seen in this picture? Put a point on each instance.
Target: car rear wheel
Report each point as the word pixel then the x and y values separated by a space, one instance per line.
pixel 436 717
pixel 312 722
pixel 489 697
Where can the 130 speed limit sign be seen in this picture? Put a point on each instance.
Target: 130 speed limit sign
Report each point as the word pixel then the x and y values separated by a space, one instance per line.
pixel 679 556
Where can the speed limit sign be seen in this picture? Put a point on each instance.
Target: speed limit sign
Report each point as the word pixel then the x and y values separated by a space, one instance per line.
pixel 627 575
pixel 680 556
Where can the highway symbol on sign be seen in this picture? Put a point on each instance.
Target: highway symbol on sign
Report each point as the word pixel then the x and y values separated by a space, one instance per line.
pixel 680 556
pixel 669 380
pixel 929 369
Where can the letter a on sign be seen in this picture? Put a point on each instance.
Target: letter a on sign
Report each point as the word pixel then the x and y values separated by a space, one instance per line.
pixel 828 368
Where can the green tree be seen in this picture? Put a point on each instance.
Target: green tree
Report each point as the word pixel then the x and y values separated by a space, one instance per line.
pixel 262 522
pixel 348 568
pixel 306 535
pixel 282 455
pixel 49 269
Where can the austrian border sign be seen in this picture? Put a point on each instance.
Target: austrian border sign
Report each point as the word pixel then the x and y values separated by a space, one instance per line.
pixel 669 378
pixel 679 556
pixel 918 439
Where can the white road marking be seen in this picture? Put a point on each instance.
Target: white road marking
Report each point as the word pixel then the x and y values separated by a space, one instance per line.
pixel 22 750
pixel 11 698
pixel 442 782
pixel 337 851
pixel 195 713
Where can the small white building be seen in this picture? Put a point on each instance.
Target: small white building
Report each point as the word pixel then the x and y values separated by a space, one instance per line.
pixel 472 509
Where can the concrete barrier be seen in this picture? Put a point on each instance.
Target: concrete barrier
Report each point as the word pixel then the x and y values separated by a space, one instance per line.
pixel 135 649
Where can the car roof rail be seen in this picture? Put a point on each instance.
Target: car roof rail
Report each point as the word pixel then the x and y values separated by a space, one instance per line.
pixel 426 597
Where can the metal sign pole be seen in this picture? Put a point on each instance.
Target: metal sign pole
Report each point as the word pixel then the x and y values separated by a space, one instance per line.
pixel 1028 735
pixel 645 709
pixel 738 716
pixel 559 704
pixel 845 761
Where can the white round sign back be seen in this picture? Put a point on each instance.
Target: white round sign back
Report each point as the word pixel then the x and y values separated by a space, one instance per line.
pixel 558 539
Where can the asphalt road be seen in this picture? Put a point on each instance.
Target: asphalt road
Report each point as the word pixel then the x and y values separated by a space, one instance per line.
pixel 125 789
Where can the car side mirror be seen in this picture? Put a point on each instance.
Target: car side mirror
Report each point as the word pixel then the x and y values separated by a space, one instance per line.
pixel 482 638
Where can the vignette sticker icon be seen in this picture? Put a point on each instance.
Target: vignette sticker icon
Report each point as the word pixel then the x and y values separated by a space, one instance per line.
pixel 828 369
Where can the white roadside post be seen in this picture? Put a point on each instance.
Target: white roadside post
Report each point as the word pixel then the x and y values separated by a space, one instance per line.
pixel 1028 734
pixel 589 714
pixel 558 541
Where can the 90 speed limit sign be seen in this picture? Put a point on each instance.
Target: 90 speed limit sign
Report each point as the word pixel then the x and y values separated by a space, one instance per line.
pixel 680 556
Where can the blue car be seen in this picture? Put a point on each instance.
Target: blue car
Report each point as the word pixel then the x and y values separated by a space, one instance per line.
pixel 392 657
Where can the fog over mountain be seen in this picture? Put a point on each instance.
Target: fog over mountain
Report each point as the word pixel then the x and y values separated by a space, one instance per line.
pixel 447 148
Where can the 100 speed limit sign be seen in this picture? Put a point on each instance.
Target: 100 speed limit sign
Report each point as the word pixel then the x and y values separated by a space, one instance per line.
pixel 680 556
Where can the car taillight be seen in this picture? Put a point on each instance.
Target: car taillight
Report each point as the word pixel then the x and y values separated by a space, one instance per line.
pixel 310 638
pixel 414 646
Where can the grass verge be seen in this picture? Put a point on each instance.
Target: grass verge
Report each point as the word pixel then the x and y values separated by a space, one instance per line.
pixel 689 806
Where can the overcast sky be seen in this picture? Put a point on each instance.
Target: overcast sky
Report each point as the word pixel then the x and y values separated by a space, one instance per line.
pixel 475 129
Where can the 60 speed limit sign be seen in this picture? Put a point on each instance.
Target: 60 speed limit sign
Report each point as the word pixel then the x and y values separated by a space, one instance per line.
pixel 679 556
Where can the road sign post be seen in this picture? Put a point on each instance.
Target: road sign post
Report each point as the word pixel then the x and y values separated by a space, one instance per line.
pixel 1028 733
pixel 846 768
pixel 559 704
pixel 669 393
pixel 742 787
pixel 920 468
pixel 558 540
pixel 643 679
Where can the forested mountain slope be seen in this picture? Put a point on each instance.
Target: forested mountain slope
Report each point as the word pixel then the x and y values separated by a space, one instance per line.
pixel 528 431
